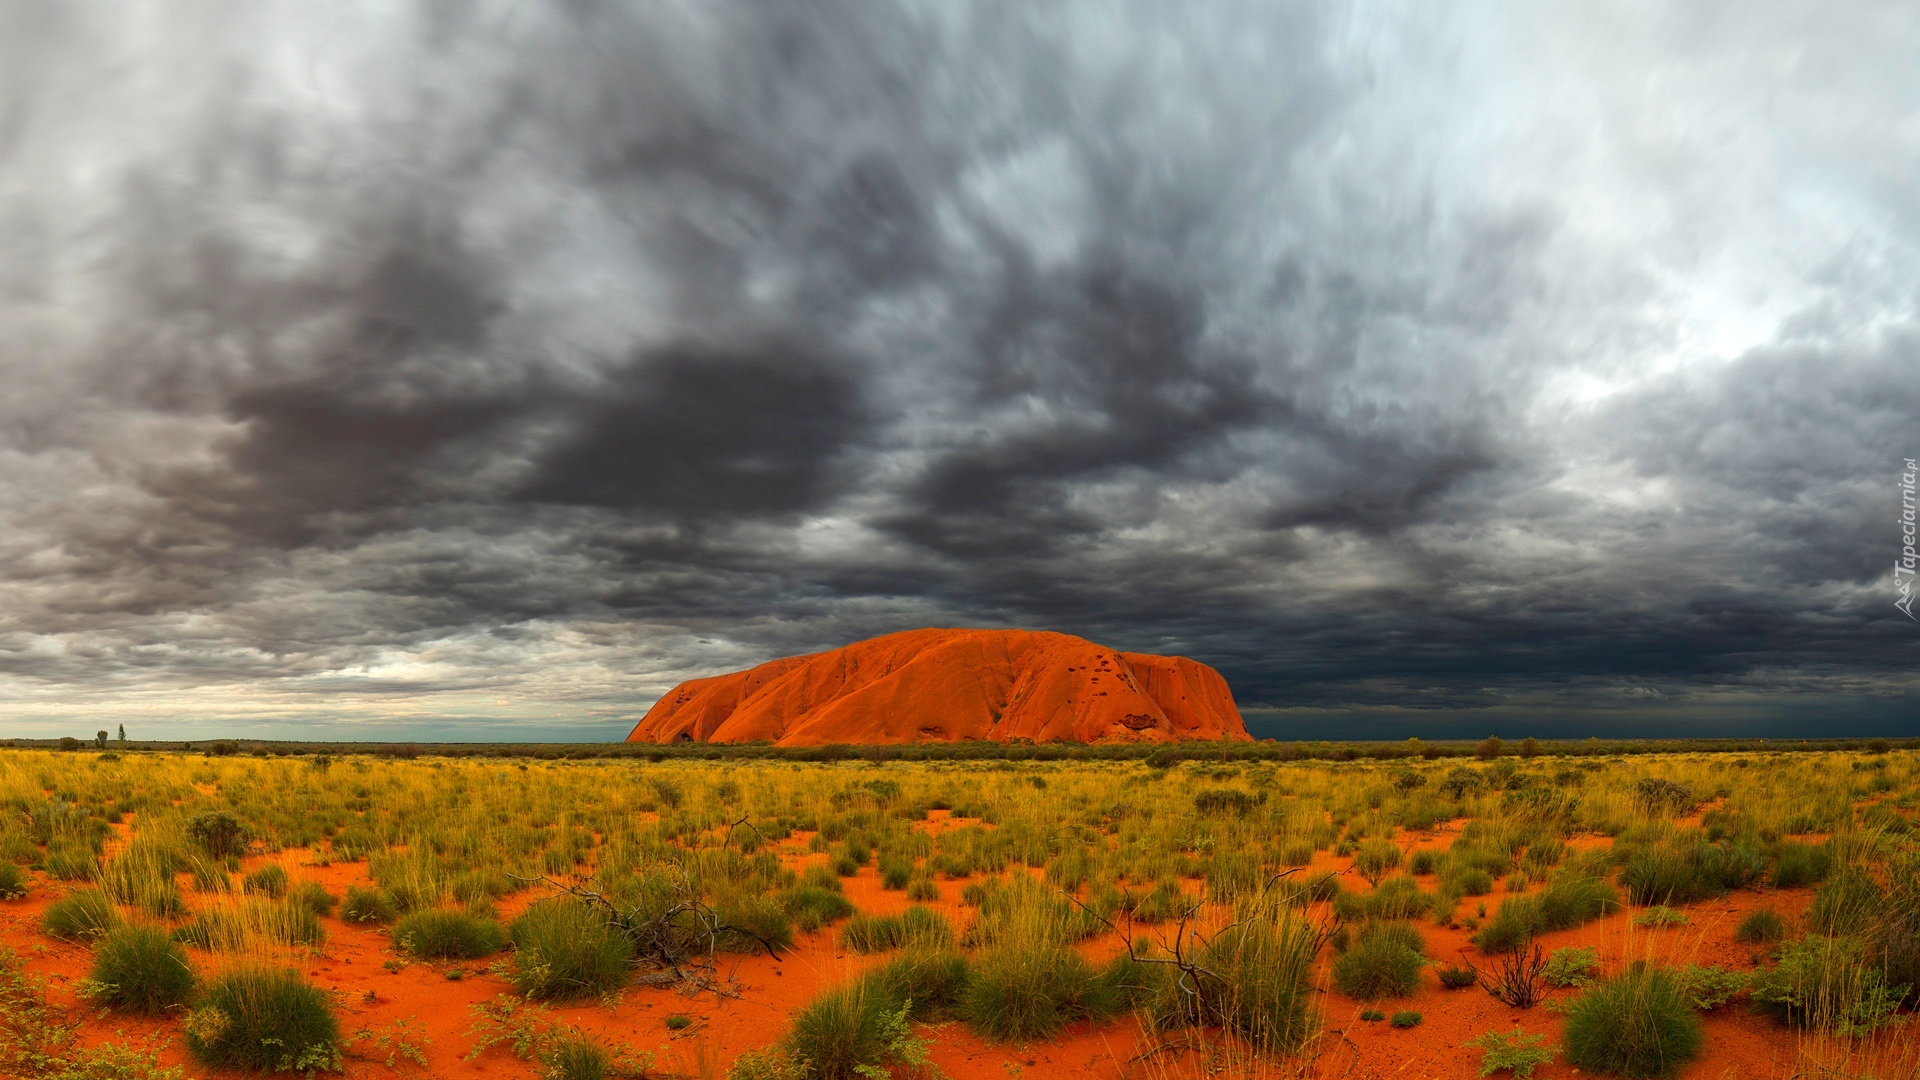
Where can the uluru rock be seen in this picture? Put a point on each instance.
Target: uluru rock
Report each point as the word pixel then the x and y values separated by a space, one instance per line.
pixel 950 686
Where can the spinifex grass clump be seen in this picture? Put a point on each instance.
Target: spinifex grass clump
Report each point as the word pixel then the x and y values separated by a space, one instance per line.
pixel 1826 984
pixel 1760 926
pixel 266 1019
pixel 1798 864
pixel 13 881
pixel 1894 937
pixel 1395 898
pixel 564 949
pixel 932 979
pixel 269 880
pixel 448 935
pixel 1253 978
pixel 1027 984
pixel 239 923
pixel 366 905
pixel 140 969
pixel 756 921
pixel 1384 961
pixel 812 907
pixel 313 896
pixel 1374 858
pixel 83 915
pixel 877 933
pixel 142 877
pixel 1569 902
pixel 1847 904
pixel 1637 1024
pixel 845 1033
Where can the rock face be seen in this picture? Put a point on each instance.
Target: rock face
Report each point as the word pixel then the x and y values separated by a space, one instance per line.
pixel 949 686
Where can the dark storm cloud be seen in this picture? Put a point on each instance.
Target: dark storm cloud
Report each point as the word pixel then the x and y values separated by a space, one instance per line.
pixel 694 433
pixel 501 363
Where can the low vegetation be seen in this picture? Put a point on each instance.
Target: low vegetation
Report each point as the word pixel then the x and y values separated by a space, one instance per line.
pixel 1238 900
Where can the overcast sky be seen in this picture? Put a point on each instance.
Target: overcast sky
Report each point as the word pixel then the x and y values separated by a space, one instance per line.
pixel 457 369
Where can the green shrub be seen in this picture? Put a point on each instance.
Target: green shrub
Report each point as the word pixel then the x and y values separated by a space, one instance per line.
pixel 1894 938
pixel 866 933
pixel 140 969
pixel 313 896
pixel 564 949
pixel 1127 983
pixel 1636 1024
pixel 85 914
pixel 916 926
pixel 1396 898
pixel 1571 966
pixel 1576 900
pixel 269 880
pixel 219 833
pixel 1663 876
pixel 1656 795
pixel 238 926
pixel 1384 961
pixel 1260 985
pixel 846 1032
pixel 812 907
pixel 13 881
pixel 821 877
pixel 1760 926
pixel 1660 915
pixel 1725 866
pixel 1825 983
pixel 1026 987
pixel 753 922
pixel 894 874
pixel 364 905
pixel 1513 1051
pixel 266 1019
pixel 1405 1019
pixel 70 861
pixel 1457 978
pixel 922 888
pixel 447 935
pixel 1569 902
pixel 1374 858
pixel 1846 904
pixel 1372 1016
pixel 576 1057
pixel 932 979
pixel 1798 864
pixel 1708 988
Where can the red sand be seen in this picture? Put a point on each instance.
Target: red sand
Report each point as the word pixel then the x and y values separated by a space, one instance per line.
pixel 767 992
pixel 953 685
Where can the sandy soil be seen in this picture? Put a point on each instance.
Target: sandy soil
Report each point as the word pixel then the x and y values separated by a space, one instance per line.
pixel 377 989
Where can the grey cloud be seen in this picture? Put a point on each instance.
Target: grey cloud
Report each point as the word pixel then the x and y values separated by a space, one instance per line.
pixel 487 361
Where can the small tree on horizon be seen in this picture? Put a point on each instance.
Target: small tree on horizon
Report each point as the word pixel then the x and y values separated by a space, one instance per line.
pixel 1529 747
pixel 100 740
pixel 123 734
pixel 1490 747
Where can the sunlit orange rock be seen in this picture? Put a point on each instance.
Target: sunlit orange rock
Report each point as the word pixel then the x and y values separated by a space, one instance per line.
pixel 949 686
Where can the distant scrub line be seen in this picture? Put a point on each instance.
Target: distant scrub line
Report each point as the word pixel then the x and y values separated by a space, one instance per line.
pixel 1157 754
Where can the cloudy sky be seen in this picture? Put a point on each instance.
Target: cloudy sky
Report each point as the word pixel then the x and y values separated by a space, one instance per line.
pixel 456 369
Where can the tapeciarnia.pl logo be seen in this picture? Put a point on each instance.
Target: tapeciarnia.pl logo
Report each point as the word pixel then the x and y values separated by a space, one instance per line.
pixel 1903 568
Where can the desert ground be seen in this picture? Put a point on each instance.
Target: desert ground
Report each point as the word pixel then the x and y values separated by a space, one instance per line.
pixel 1700 915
